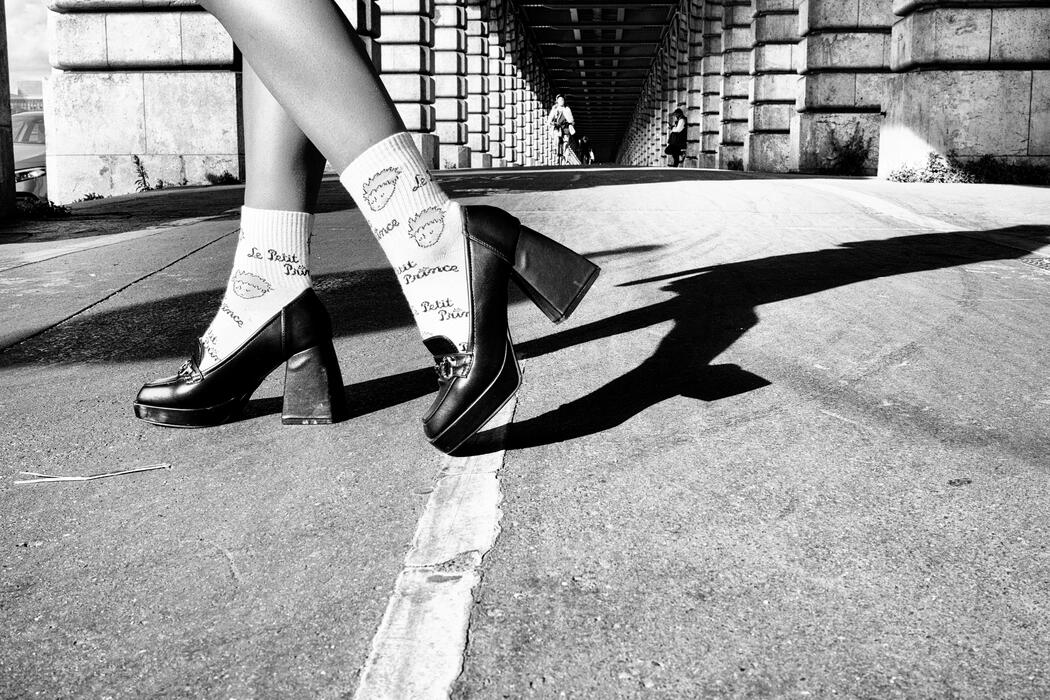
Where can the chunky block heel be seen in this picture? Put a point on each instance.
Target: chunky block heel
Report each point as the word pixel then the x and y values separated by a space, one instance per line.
pixel 475 381
pixel 554 277
pixel 313 388
pixel 299 334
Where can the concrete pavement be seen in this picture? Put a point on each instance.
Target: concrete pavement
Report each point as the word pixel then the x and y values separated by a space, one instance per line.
pixel 793 444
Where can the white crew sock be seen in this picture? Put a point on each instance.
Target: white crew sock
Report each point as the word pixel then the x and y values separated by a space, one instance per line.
pixel 270 269
pixel 421 232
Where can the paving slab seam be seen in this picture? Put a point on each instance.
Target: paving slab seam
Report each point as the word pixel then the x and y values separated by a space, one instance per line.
pixel 112 294
pixel 60 250
pixel 418 650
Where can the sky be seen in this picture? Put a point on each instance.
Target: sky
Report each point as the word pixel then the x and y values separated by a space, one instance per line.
pixel 26 40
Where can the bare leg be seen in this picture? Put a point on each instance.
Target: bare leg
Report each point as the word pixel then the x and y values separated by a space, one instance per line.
pixel 283 168
pixel 314 64
pixel 271 263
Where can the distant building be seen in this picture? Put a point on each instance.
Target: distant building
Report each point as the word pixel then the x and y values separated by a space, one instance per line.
pixel 28 97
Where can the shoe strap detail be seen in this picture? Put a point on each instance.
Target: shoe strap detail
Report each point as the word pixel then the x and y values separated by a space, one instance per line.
pixel 457 365
pixel 190 372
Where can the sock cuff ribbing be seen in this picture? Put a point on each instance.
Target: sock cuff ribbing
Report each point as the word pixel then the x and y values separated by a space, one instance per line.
pixel 392 168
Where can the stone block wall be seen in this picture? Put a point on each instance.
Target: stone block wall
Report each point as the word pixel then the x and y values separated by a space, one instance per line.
pixel 147 91
pixel 987 63
pixel 800 85
pixel 154 86
pixel 711 85
pixel 844 64
pixel 771 94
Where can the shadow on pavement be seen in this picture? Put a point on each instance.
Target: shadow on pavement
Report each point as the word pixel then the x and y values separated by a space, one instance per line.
pixel 169 327
pixel 713 308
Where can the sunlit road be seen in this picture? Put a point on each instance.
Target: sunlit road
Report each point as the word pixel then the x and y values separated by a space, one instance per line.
pixel 793 444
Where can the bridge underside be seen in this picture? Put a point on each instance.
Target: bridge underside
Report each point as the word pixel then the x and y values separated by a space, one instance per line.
pixel 599 55
pixel 843 86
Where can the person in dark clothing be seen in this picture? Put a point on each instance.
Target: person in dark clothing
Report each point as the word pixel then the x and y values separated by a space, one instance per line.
pixel 676 142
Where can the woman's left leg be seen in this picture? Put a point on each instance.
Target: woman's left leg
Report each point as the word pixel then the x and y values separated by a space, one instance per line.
pixel 271 265
pixel 268 290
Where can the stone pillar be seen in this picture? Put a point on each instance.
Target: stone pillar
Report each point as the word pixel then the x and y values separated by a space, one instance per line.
pixel 407 69
pixel 497 84
pixel 450 81
pixel 973 80
pixel 737 39
pixel 694 108
pixel 774 83
pixel 138 99
pixel 512 87
pixel 844 62
pixel 711 85
pixel 478 84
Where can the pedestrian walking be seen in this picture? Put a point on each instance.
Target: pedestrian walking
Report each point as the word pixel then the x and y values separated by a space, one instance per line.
pixel 562 124
pixel 677 140
pixel 586 152
pixel 311 94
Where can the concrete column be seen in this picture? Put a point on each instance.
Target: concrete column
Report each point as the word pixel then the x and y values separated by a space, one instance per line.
pixel 972 79
pixel 774 84
pixel 478 84
pixel 512 88
pixel 737 40
pixel 694 109
pixel 407 69
pixel 843 59
pixel 497 84
pixel 138 98
pixel 450 80
pixel 711 85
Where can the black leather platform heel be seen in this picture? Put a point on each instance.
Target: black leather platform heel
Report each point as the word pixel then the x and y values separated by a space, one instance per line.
pixel 299 334
pixel 474 385
pixel 313 387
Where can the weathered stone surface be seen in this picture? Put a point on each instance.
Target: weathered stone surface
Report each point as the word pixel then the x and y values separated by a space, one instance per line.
pixel 190 113
pixel 1020 35
pixel 75 40
pixel 843 14
pixel 773 58
pixel 989 114
pixel 1039 134
pixel 768 152
pixel 942 37
pixel 776 28
pixel 829 91
pixel 734 132
pixel 770 117
pixel 817 139
pixel 733 110
pixel 773 87
pixel 835 51
pixel 129 41
pixel 736 63
pixel 95 113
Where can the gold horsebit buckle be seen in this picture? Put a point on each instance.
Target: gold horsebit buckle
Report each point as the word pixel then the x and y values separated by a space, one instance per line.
pixel 449 366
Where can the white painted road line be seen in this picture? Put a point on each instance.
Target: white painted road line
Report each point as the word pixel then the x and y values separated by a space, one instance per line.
pixel 418 650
